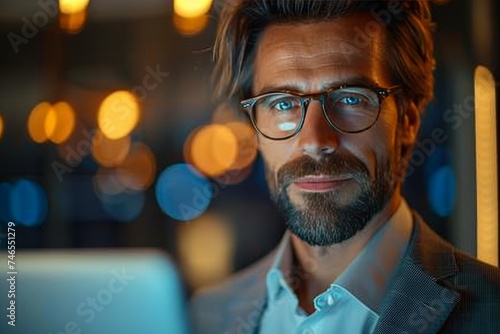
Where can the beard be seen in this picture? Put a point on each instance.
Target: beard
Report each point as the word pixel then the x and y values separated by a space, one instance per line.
pixel 327 218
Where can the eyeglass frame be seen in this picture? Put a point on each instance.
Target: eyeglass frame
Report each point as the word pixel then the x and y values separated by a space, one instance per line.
pixel 305 99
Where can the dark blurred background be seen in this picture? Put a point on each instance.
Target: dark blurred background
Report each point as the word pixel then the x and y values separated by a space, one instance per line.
pixel 109 137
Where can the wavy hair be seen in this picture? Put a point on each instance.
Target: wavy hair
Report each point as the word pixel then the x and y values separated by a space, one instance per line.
pixel 409 44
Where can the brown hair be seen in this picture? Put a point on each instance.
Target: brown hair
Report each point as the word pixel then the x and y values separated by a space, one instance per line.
pixel 408 23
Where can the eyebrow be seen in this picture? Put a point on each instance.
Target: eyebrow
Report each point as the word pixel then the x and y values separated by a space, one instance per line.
pixel 298 88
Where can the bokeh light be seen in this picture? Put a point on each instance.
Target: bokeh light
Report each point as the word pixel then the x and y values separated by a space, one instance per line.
pixel 36 122
pixel 28 203
pixel 190 26
pixel 442 189
pixel 108 152
pixel 247 144
pixel 206 260
pixel 118 114
pixel 192 8
pixel 212 149
pixel 72 6
pixel 1 126
pixel 74 22
pixel 107 182
pixel 125 206
pixel 138 170
pixel 182 193
pixel 59 122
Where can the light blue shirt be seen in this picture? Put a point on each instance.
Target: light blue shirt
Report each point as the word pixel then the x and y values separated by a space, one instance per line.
pixel 351 304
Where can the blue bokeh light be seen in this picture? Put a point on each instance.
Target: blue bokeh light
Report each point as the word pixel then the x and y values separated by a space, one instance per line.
pixel 28 203
pixel 125 206
pixel 442 189
pixel 182 193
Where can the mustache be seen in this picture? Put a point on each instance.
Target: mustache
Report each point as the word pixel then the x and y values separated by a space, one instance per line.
pixel 336 164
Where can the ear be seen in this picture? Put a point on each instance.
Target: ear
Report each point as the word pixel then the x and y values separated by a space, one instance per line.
pixel 410 125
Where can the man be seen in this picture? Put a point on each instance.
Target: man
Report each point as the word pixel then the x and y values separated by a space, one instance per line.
pixel 335 90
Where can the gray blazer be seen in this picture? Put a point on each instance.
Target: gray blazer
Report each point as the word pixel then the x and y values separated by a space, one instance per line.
pixel 437 289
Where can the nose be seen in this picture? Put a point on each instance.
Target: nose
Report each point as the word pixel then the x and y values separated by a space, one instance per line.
pixel 317 138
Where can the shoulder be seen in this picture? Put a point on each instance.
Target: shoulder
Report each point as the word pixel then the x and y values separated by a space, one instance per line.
pixel 212 308
pixel 436 254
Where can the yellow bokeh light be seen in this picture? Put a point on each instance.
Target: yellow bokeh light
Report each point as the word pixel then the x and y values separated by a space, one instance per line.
pixel 1 126
pixel 59 122
pixel 138 170
pixel 212 149
pixel 118 114
pixel 37 122
pixel 72 23
pixel 72 6
pixel 190 26
pixel 110 153
pixel 205 260
pixel 486 166
pixel 191 8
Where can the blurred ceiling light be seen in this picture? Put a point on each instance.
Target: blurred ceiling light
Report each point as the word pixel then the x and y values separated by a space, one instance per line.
pixel 486 166
pixel 206 260
pixel 36 122
pixel 212 149
pixel 192 8
pixel 1 126
pixel 190 26
pixel 72 23
pixel 138 170
pixel 110 153
pixel 118 114
pixel 72 6
pixel 60 122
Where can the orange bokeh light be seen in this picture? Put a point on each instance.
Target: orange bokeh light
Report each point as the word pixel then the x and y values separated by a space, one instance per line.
pixel 72 23
pixel 190 26
pixel 36 122
pixel 212 149
pixel 110 153
pixel 59 122
pixel 247 144
pixel 138 170
pixel 1 126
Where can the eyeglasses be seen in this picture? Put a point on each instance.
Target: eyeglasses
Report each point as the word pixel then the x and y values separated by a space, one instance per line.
pixel 347 108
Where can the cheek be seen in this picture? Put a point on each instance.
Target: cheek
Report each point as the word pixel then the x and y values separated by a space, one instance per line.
pixel 274 153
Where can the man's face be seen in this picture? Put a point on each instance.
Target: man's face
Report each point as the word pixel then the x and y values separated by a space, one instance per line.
pixel 327 183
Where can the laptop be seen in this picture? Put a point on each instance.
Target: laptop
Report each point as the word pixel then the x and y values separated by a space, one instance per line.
pixel 91 292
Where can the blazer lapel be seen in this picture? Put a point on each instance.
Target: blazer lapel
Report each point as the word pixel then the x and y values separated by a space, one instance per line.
pixel 419 300
pixel 245 312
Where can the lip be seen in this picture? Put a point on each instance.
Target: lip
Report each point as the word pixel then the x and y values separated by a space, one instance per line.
pixel 320 183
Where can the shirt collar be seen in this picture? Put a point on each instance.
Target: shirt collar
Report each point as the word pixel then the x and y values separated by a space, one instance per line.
pixel 367 277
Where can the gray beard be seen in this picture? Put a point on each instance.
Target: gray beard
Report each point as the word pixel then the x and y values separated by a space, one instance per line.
pixel 322 220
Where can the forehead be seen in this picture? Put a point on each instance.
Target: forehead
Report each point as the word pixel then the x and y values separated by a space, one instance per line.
pixel 310 56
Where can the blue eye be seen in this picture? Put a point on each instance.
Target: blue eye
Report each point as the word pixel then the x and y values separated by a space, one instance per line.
pixel 284 105
pixel 350 100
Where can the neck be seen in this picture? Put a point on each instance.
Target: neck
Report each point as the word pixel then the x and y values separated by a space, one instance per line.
pixel 320 266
